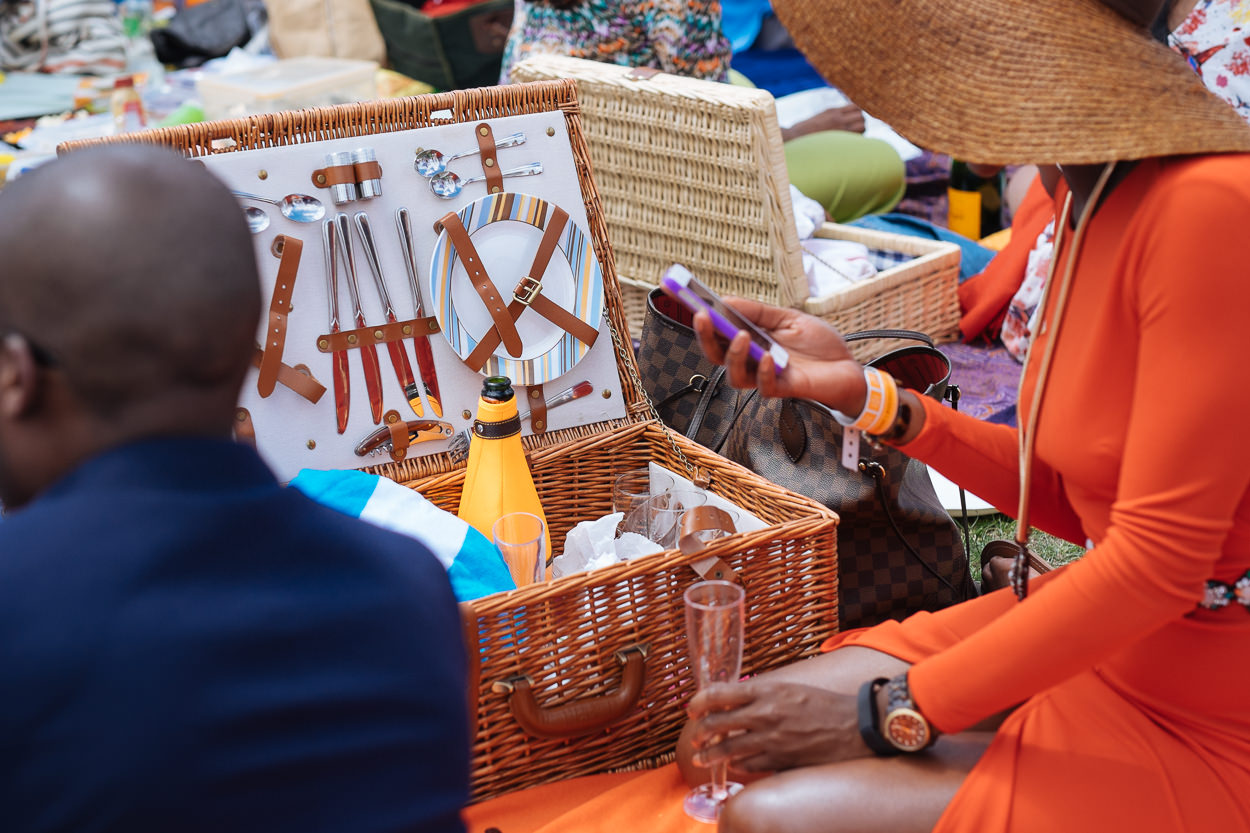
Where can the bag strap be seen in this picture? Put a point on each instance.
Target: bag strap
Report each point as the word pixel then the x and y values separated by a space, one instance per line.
pixel 1027 432
pixel 914 335
pixel 705 399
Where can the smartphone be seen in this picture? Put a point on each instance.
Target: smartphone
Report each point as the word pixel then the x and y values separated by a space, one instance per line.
pixel 692 293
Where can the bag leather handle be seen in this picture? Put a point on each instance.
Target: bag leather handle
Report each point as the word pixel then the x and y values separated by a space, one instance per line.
pixel 914 335
pixel 582 716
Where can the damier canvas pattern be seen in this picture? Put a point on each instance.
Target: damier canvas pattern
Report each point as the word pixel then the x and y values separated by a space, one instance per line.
pixel 878 579
pixel 671 362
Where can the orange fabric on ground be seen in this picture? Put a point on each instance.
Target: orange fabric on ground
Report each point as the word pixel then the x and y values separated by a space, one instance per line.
pixel 634 801
pixel 1135 710
pixel 984 298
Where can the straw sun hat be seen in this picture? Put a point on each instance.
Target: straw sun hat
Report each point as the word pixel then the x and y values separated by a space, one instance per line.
pixel 1014 81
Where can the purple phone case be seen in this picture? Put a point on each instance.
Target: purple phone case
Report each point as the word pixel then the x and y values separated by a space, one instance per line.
pixel 684 295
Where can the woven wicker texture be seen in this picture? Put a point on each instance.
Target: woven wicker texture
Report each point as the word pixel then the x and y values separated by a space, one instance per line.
pixel 690 172
pixel 1043 81
pixel 920 294
pixel 565 634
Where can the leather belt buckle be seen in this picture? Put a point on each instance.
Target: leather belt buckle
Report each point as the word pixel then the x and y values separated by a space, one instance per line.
pixel 527 290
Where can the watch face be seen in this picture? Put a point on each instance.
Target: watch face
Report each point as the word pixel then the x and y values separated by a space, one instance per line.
pixel 907 730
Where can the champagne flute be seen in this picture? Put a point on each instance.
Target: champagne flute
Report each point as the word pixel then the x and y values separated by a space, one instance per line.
pixel 520 537
pixel 714 621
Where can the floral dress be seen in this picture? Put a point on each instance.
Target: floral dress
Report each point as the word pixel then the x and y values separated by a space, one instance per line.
pixel 1215 39
pixel 682 37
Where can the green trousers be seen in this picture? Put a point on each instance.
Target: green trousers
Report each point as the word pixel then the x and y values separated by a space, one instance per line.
pixel 849 174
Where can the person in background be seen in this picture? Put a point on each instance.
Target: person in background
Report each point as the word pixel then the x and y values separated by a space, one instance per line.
pixel 186 645
pixel 1108 694
pixel 681 37
pixel 827 157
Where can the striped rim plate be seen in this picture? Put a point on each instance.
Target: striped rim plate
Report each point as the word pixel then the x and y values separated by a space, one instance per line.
pixel 506 229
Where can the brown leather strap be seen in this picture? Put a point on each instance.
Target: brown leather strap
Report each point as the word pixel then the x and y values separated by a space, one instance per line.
pixel 399 434
pixel 538 409
pixel 367 170
pixel 581 716
pixel 490 162
pixel 481 282
pixel 528 289
pixel 377 334
pixel 565 320
pixel 334 175
pixel 299 378
pixel 279 310
pixel 702 519
pixel 244 431
pixel 502 429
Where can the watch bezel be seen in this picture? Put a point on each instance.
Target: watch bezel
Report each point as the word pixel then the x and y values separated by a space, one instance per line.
pixel 918 726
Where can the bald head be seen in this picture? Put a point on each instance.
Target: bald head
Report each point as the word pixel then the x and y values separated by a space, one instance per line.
pixel 134 270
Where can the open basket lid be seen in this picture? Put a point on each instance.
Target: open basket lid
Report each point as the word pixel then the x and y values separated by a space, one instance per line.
pixel 691 172
pixel 258 149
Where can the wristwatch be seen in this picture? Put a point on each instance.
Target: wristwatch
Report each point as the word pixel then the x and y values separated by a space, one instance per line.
pixel 903 728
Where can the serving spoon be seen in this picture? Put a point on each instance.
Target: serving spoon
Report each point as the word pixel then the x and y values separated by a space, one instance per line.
pixel 298 207
pixel 431 162
pixel 447 185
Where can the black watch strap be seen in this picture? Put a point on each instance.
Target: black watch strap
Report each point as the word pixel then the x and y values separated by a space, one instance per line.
pixel 870 721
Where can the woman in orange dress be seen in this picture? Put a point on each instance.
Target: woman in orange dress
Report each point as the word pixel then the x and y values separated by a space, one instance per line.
pixel 1114 693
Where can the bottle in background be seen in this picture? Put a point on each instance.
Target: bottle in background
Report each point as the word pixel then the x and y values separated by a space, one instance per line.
pixel 975 202
pixel 497 481
pixel 137 17
pixel 127 108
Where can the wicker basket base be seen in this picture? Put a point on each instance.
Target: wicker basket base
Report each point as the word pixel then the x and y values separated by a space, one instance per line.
pixel 574 638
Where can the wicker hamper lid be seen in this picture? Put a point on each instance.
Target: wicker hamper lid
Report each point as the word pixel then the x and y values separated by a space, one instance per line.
pixel 690 172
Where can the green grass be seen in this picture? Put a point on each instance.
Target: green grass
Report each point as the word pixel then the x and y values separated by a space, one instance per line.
pixel 988 528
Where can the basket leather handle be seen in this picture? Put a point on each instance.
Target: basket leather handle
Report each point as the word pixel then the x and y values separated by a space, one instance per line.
pixel 582 716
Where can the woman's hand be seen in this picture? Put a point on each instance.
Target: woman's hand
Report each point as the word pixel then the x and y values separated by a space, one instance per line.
pixel 768 725
pixel 820 367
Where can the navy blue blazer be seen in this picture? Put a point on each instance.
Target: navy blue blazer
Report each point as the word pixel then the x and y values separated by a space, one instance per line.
pixel 187 646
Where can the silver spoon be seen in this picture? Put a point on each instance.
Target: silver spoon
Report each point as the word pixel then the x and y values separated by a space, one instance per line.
pixel 257 220
pixel 431 162
pixel 447 185
pixel 298 207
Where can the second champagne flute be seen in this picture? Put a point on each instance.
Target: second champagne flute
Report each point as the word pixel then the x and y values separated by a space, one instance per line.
pixel 714 624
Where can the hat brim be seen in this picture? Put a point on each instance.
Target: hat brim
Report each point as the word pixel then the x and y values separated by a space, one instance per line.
pixel 1014 81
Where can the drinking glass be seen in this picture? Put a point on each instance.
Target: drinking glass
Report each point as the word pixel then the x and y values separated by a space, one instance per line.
pixel 632 488
pixel 714 619
pixel 521 539
pixel 664 512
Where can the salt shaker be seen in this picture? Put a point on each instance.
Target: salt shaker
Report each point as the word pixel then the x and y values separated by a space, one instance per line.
pixel 341 192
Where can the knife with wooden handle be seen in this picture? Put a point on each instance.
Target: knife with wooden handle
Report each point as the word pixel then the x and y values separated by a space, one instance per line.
pixel 368 352
pixel 342 382
pixel 421 343
pixel 399 357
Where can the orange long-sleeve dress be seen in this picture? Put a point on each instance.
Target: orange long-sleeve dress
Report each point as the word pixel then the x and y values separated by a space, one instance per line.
pixel 1135 707
pixel 1135 710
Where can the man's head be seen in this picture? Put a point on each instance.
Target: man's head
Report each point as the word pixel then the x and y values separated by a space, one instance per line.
pixel 129 301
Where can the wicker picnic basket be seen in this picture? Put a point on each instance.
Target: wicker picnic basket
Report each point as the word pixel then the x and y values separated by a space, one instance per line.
pixel 587 673
pixel 693 172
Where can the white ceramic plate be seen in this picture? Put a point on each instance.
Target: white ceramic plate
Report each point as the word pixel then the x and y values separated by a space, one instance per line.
pixel 506 229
